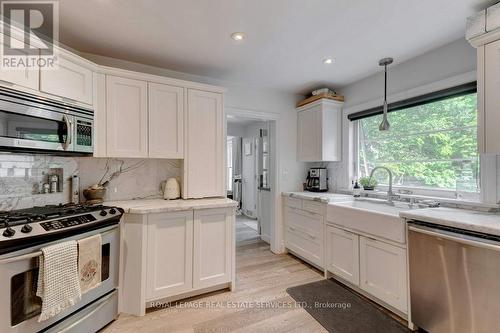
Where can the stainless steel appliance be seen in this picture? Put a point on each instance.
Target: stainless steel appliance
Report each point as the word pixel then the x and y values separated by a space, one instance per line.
pixel 22 235
pixel 32 123
pixel 454 279
pixel 317 180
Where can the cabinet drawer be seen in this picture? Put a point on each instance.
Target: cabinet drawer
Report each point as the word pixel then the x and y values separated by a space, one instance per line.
pixel 313 206
pixel 308 249
pixel 293 202
pixel 308 222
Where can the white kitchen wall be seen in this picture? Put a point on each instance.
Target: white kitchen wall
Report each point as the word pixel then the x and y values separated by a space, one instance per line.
pixel 446 66
pixel 244 99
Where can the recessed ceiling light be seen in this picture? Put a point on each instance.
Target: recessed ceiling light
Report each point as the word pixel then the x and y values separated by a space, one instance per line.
pixel 328 61
pixel 238 36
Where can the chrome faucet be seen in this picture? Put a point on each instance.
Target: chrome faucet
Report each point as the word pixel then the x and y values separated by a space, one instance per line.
pixel 389 191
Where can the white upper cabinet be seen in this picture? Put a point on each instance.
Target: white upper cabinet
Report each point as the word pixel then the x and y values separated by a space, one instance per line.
pixel 27 77
pixel 166 121
pixel 126 117
pixel 489 113
pixel 71 80
pixel 319 131
pixel 204 157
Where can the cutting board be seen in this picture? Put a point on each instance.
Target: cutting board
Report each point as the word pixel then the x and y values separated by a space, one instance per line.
pixel 311 99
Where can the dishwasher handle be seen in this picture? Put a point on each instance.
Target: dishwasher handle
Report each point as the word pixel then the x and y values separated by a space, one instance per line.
pixel 457 237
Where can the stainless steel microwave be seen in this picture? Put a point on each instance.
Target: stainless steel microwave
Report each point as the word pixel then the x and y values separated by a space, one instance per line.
pixel 33 124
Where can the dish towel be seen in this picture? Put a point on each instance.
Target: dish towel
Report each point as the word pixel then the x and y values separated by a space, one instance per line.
pixel 89 262
pixel 57 284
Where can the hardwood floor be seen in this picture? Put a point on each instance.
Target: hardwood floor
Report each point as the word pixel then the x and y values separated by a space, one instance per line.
pixel 244 233
pixel 259 303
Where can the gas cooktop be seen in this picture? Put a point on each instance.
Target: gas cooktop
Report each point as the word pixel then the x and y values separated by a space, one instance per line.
pixel 27 227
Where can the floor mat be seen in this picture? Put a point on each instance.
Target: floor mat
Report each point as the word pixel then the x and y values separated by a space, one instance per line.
pixel 340 310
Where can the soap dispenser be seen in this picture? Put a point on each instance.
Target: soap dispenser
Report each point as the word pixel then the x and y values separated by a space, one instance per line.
pixel 356 190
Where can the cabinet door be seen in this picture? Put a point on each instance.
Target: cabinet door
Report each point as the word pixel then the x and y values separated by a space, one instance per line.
pixel 166 121
pixel 383 272
pixel 126 117
pixel 309 135
pixel 491 116
pixel 213 247
pixel 69 80
pixel 342 254
pixel 170 253
pixel 204 163
pixel 25 77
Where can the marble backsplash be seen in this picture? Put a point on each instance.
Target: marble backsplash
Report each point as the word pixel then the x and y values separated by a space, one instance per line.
pixel 21 177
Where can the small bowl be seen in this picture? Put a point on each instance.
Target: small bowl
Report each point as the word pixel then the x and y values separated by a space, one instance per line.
pixel 93 194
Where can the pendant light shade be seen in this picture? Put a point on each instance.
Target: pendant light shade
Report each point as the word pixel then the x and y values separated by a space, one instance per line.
pixel 384 125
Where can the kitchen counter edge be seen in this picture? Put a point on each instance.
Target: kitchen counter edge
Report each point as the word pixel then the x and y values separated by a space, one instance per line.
pixel 148 206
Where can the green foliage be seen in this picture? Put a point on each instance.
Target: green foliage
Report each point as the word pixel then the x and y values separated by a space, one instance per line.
pixel 368 182
pixel 432 145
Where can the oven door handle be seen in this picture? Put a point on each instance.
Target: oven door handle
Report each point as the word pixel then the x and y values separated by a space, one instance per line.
pixel 69 127
pixel 456 237
pixel 37 253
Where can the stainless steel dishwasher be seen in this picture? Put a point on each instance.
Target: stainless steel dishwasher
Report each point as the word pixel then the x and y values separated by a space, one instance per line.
pixel 454 279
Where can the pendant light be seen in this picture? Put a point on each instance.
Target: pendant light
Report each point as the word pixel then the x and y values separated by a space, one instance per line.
pixel 384 125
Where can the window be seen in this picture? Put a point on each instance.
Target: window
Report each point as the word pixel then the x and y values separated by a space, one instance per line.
pixel 430 146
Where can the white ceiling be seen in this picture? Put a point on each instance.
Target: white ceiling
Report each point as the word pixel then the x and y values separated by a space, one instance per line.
pixel 286 39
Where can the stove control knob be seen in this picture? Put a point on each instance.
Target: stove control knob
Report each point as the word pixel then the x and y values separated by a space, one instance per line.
pixel 26 228
pixel 112 211
pixel 103 213
pixel 9 232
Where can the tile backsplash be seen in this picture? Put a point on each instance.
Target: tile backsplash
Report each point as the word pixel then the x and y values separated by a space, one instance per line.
pixel 22 176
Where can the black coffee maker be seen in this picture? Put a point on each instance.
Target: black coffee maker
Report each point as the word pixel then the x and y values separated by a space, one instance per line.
pixel 317 180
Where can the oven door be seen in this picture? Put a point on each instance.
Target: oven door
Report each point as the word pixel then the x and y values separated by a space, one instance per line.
pixel 19 305
pixel 25 127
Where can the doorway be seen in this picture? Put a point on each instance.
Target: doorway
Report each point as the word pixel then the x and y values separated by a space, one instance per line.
pixel 250 177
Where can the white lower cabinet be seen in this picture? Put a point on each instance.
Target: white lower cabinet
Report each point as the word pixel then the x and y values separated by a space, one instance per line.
pixel 170 253
pixel 174 255
pixel 342 254
pixel 304 234
pixel 376 267
pixel 213 235
pixel 383 272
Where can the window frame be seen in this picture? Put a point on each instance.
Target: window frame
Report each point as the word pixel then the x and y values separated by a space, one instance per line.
pixel 354 119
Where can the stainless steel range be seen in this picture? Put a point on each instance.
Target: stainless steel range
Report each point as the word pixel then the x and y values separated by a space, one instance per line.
pixel 22 235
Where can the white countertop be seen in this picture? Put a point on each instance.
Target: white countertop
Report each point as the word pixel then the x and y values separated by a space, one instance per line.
pixel 319 196
pixel 146 206
pixel 459 218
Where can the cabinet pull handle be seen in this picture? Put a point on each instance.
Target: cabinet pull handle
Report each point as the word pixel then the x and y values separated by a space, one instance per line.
pixel 7 83
pixel 311 236
pixel 69 100
pixel 291 228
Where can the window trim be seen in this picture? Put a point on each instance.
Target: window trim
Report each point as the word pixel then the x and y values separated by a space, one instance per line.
pixel 460 90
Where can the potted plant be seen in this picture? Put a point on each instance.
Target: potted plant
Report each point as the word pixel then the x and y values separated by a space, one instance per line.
pixel 368 183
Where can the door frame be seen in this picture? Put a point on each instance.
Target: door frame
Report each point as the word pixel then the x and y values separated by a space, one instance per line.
pixel 276 244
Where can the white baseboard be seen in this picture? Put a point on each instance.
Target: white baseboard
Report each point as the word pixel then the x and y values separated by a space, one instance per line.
pixel 266 238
